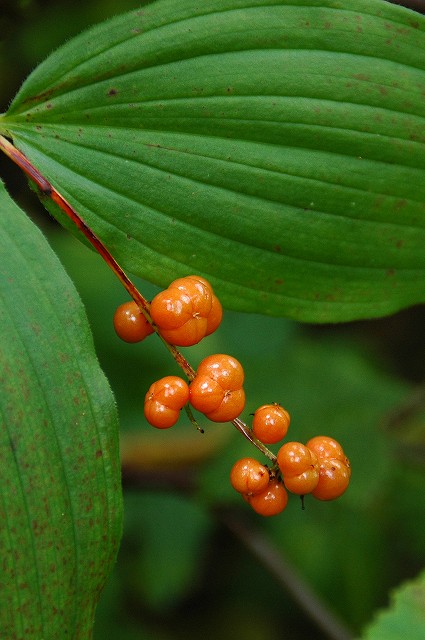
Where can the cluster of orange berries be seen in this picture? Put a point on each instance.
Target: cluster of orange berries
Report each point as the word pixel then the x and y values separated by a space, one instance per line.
pixel 187 311
pixel 319 467
pixel 184 314
pixel 216 391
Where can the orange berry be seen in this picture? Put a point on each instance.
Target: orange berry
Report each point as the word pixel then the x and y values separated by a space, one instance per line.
pixel 164 400
pixel 181 312
pixel 130 324
pixel 334 478
pixel 160 416
pixel 231 407
pixel 205 394
pixel 248 476
pixel 299 467
pixel 215 316
pixel 226 370
pixel 198 289
pixel 190 333
pixel 271 501
pixel 270 423
pixel 334 468
pixel 177 319
pixel 169 310
pixel 294 458
pixel 325 447
pixel 217 389
pixel 197 278
pixel 171 391
pixel 304 482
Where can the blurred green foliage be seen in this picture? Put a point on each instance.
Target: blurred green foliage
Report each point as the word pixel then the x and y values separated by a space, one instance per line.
pixel 179 566
pixel 181 572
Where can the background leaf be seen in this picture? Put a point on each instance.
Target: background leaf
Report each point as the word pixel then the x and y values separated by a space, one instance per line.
pixel 280 141
pixel 405 618
pixel 148 555
pixel 60 508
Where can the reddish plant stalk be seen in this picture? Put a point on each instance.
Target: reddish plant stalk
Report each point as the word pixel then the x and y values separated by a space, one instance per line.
pixel 47 189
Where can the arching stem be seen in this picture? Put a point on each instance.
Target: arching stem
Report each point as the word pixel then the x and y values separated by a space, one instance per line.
pixel 48 190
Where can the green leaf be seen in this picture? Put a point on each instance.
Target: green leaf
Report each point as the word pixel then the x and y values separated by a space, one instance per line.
pixel 405 618
pixel 60 501
pixel 276 147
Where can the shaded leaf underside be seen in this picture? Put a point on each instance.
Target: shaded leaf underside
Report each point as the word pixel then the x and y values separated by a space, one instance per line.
pixel 276 148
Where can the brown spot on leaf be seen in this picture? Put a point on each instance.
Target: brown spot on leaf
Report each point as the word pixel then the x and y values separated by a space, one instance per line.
pixel 36 329
pixel 40 97
pixel 361 76
pixel 400 204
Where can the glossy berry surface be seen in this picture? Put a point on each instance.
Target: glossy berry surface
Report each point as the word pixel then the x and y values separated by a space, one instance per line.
pixel 217 389
pixel 164 400
pixel 326 447
pixel 270 423
pixel 294 458
pixel 334 478
pixel 205 394
pixel 249 476
pixel 271 501
pixel 130 324
pixel 177 319
pixel 299 467
pixel 303 483
pixel 198 289
pixel 186 311
pixel 230 408
pixel 215 316
pixel 225 369
pixel 160 416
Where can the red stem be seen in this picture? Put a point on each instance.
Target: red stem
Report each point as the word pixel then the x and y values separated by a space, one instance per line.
pixel 47 189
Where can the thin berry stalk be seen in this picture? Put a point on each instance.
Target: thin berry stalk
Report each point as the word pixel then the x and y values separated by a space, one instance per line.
pixel 247 433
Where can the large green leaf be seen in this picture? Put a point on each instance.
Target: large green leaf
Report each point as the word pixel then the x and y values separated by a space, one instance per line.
pixel 276 147
pixel 60 496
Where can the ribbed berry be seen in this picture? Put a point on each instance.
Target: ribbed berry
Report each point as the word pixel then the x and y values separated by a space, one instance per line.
pixel 164 400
